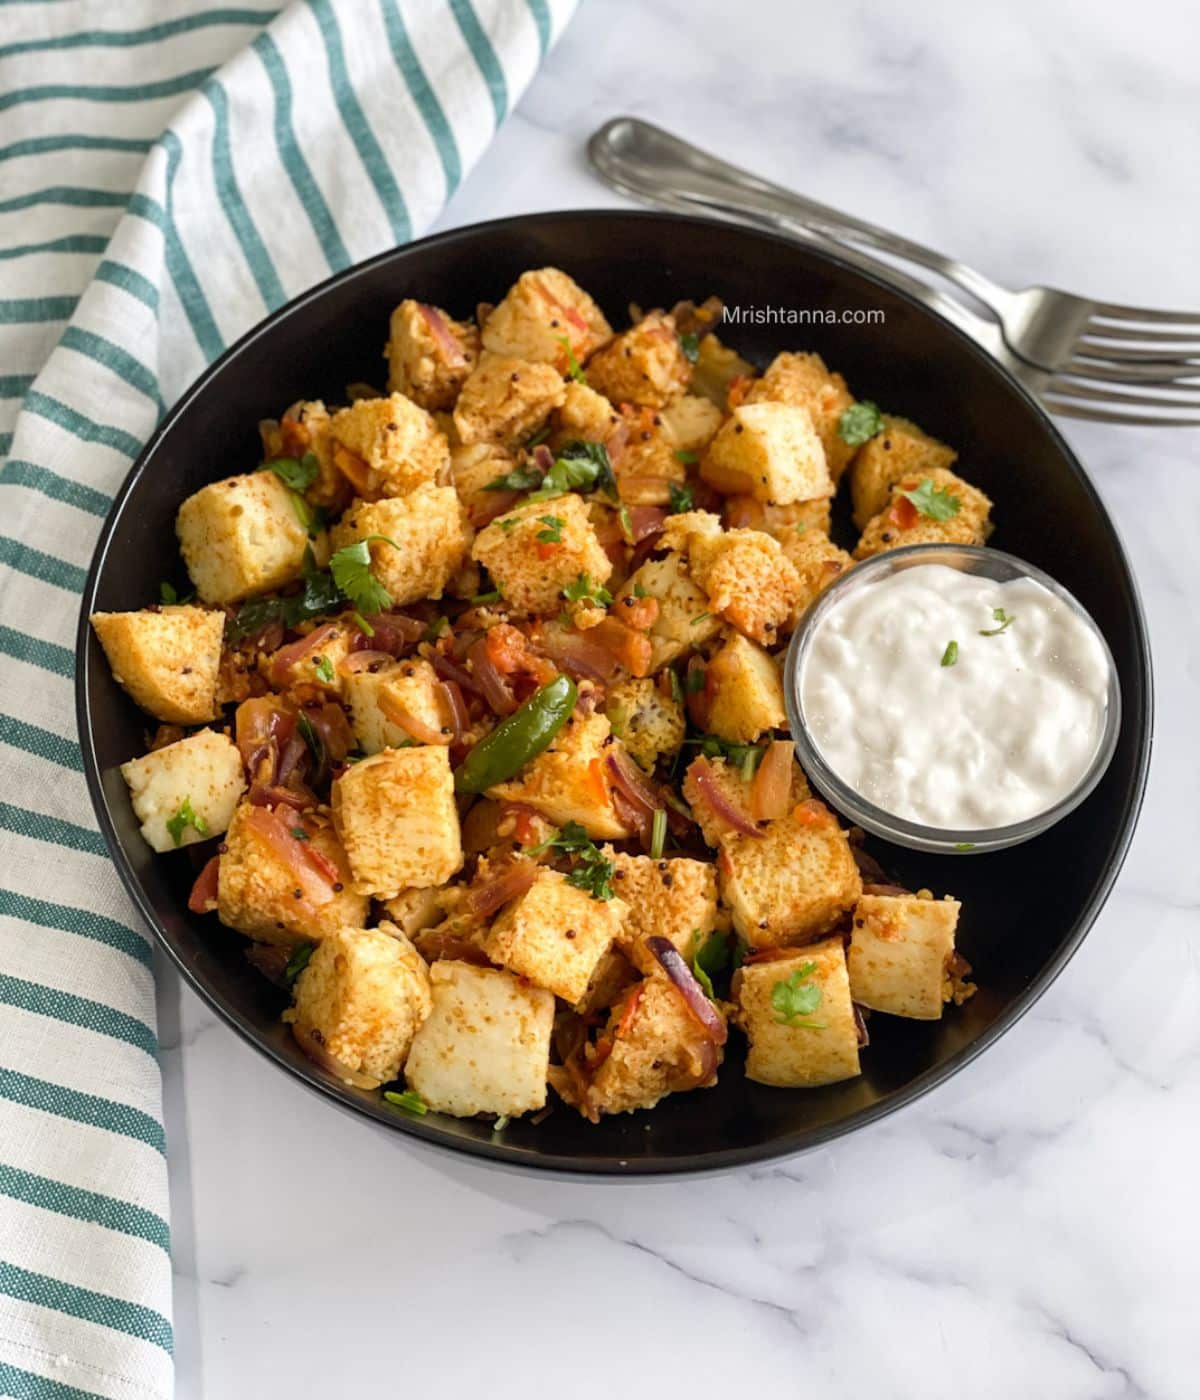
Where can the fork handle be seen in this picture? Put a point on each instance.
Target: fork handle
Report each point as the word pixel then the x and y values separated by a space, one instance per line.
pixel 648 162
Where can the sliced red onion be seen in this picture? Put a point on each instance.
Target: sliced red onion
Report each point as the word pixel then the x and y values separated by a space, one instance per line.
pixel 460 720
pixel 771 789
pixel 494 688
pixel 413 725
pixel 868 867
pixel 295 653
pixel 450 670
pixel 506 886
pixel 395 633
pixel 446 341
pixel 543 458
pixel 203 898
pixel 673 964
pixel 317 1053
pixel 646 521
pixel 262 795
pixel 365 659
pixel 718 803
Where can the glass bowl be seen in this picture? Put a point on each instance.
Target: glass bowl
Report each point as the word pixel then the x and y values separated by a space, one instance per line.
pixel 988 563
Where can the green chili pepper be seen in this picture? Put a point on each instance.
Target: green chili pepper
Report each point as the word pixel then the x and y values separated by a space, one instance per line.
pixel 519 738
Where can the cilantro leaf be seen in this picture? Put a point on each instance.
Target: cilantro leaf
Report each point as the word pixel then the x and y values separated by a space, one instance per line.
pixel 186 816
pixel 592 870
pixel 310 736
pixel 950 655
pixel 795 996
pixel 747 757
pixel 572 363
pixel 552 534
pixel 324 669
pixel 409 1102
pixel 519 479
pixel 296 474
pixel 681 497
pixel 689 343
pixel 583 589
pixel 351 570
pixel 298 962
pixel 1004 619
pixel 860 423
pixel 710 957
pixel 169 595
pixel 689 459
pixel 493 597
pixel 579 466
pixel 941 504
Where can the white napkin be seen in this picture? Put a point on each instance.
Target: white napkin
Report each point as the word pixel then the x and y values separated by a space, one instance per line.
pixel 170 172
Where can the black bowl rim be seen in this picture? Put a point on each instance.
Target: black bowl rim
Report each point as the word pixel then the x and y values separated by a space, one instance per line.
pixel 595 1167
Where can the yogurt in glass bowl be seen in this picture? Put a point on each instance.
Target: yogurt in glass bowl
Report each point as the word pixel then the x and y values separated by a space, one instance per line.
pixel 951 698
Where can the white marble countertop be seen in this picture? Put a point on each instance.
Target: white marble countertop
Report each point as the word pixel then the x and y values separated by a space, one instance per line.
pixel 1029 1228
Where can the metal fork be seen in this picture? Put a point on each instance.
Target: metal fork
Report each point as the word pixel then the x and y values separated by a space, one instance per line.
pixel 1055 343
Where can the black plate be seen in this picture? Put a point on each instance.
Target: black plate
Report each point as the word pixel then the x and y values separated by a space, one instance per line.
pixel 1025 910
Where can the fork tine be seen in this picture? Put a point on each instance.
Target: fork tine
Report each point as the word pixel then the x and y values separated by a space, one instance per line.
pixel 1188 402
pixel 1134 372
pixel 1118 417
pixel 1134 356
pixel 1113 311
pixel 1099 331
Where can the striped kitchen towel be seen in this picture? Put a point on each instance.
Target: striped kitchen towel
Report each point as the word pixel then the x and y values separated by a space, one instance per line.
pixel 170 172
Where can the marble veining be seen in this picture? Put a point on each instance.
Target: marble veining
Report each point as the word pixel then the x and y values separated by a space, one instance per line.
pixel 1028 1229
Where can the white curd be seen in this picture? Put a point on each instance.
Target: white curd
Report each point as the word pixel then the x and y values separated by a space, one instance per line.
pixel 918 712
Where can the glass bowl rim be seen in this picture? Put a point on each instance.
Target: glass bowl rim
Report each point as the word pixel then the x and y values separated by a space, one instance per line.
pixel 867 814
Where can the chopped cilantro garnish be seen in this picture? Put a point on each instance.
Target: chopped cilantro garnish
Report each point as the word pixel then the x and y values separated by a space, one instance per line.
pixel 186 816
pixel 437 628
pixel 689 459
pixel 592 871
pixel 584 590
pixel 310 736
pixel 572 363
pixel 747 757
pixel 300 834
pixel 351 570
pixel 539 437
pixel 941 504
pixel 681 498
pixel 860 423
pixel 298 962
pixel 950 655
pixel 710 956
pixel 689 343
pixel 296 475
pixel 579 466
pixel 700 617
pixel 1003 618
pixel 658 833
pixel 324 669
pixel 625 520
pixel 508 525
pixel 552 534
pixel 409 1102
pixel 492 597
pixel 519 479
pixel 795 996
pixel 676 687
pixel 362 624
pixel 168 595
